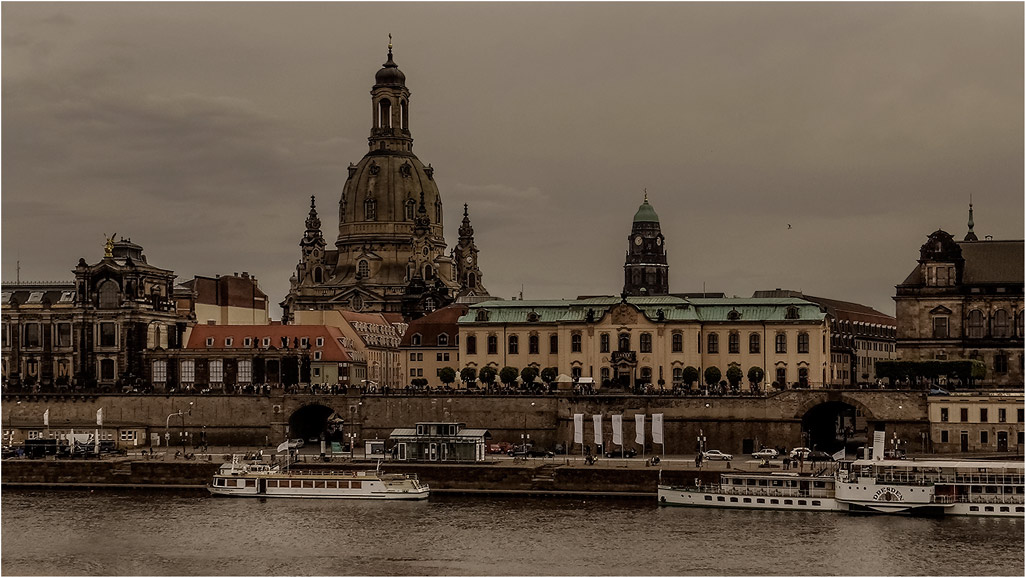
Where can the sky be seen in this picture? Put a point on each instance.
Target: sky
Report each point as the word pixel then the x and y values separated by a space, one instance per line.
pixel 803 146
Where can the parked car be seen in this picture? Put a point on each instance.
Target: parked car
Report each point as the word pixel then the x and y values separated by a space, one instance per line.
pixel 818 456
pixel 716 455
pixel 611 452
pixel 529 451
pixel 766 454
pixel 500 448
pixel 800 453
pixel 896 454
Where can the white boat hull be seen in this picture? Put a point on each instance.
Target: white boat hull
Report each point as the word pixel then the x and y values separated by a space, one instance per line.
pixel 688 497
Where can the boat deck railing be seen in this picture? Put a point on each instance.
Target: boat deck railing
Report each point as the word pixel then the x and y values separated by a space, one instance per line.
pixel 756 491
pixel 925 479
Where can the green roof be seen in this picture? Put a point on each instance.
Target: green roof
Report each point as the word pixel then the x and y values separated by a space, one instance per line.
pixel 646 213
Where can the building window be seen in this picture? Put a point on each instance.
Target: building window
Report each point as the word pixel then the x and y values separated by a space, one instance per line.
pixel 575 343
pixel 370 209
pixel 228 341
pixel 245 371
pixel 316 355
pixel 645 374
pixel 416 340
pixel 605 374
pixel 363 269
pixel 944 436
pixel 159 371
pixel 976 324
pixel 471 345
pixel 107 369
pixel 108 335
pixel 209 341
pixel 603 343
pixel 983 437
pixel 754 343
pixel 492 345
pixel 645 342
pixel 32 336
pixel 63 334
pixel 534 345
pixel 1021 415
pixel 576 372
pixel 781 343
pixel 781 375
pixel 1001 324
pixel 514 345
pixel 983 415
pixel 410 205
pixel 624 342
pixel 964 415
pixel 803 342
pixel 677 343
pixel 1000 363
pixel 939 328
pixel 1001 415
pixel 188 372
pixel 713 343
pixel 266 342
pixel 553 344
pixel 734 343
pixel 107 295
pixel 217 371
pixel 677 376
pixel 944 414
pixel 443 340
pixel 320 341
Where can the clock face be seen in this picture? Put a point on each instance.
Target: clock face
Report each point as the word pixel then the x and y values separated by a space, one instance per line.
pixel 469 260
pixel 658 241
pixel 638 240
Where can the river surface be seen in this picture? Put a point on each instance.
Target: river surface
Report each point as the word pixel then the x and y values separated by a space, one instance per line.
pixel 77 532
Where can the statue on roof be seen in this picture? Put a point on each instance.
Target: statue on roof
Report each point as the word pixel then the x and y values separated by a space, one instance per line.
pixel 108 250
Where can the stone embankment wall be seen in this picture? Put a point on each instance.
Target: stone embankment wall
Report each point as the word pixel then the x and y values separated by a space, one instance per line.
pixel 726 422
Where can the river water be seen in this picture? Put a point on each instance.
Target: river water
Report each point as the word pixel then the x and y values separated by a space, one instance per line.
pixel 77 532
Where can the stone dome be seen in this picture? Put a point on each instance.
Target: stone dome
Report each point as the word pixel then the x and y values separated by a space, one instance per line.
pixel 390 74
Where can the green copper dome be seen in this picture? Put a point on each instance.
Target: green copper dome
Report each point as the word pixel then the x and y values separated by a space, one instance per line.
pixel 645 213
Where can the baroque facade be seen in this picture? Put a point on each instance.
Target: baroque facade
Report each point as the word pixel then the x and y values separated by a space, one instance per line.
pixel 390 254
pixel 963 301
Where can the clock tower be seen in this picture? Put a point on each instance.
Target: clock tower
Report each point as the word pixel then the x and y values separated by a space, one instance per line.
pixel 468 270
pixel 646 269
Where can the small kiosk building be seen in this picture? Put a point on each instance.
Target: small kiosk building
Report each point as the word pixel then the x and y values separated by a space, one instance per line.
pixel 448 442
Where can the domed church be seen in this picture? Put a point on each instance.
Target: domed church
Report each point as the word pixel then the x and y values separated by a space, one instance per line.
pixel 390 255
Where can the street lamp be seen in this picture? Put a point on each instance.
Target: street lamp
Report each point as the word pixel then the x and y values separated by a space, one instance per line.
pixel 525 437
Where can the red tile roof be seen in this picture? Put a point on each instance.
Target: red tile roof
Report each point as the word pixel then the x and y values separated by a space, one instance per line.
pixel 332 351
pixel 441 321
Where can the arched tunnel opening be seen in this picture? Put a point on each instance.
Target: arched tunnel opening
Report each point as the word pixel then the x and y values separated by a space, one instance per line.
pixel 312 421
pixel 830 426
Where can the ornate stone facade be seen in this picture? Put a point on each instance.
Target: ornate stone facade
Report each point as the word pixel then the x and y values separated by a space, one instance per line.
pixel 390 255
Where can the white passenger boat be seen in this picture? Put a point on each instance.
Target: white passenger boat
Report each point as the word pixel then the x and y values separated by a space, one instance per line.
pixel 933 487
pixel 983 488
pixel 757 490
pixel 261 480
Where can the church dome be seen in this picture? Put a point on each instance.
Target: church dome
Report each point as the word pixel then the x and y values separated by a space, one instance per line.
pixel 645 213
pixel 390 73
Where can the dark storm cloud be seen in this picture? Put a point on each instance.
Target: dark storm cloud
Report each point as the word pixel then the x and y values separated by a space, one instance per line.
pixel 201 130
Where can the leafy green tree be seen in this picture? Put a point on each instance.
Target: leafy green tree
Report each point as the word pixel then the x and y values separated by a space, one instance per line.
pixel 690 376
pixel 468 375
pixel 755 375
pixel 447 375
pixel 734 375
pixel 487 375
pixel 508 375
pixel 529 375
pixel 712 375
pixel 549 375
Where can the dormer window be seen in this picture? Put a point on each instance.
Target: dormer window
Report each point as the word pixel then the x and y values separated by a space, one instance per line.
pixel 533 317
pixel 734 315
pixel 247 342
pixel 266 342
pixel 416 340
pixel 209 341
pixel 316 355
pixel 228 341
pixel 482 315
pixel 792 313
pixel 67 297
pixel 35 297
pixel 443 340
pixel 320 341
pixel 304 342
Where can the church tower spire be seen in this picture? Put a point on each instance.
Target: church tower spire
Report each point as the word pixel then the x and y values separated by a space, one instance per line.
pixel 467 264
pixel 970 237
pixel 310 269
pixel 646 270
pixel 390 99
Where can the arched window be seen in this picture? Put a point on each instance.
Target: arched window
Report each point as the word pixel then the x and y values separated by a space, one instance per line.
pixel 318 275
pixel 384 114
pixel 734 343
pixel 108 295
pixel 514 345
pixel 471 280
pixel 492 345
pixel 410 209
pixel 404 114
pixel 603 341
pixel 416 340
pixel 157 337
pixel 976 324
pixel 428 272
pixel 802 342
pixel 713 343
pixel 437 212
pixel 1001 324
pixel 624 342
pixel 370 209
pixel 677 342
pixel 755 343
pixel 471 345
pixel 575 343
pixel 677 376
pixel 533 344
pixel 645 342
pixel 781 343
pixel 363 269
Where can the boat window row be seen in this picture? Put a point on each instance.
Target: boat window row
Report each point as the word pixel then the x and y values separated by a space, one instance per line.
pixel 312 484
pixel 974 508
pixel 801 502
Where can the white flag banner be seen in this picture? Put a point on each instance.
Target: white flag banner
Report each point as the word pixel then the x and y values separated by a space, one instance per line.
pixel 283 446
pixel 99 416
pixel 578 428
pixel 617 429
pixel 878 444
pixel 656 428
pixel 46 418
pixel 840 455
pixel 639 420
pixel 598 437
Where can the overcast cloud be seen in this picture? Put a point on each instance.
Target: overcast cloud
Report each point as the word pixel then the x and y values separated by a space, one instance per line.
pixel 200 131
